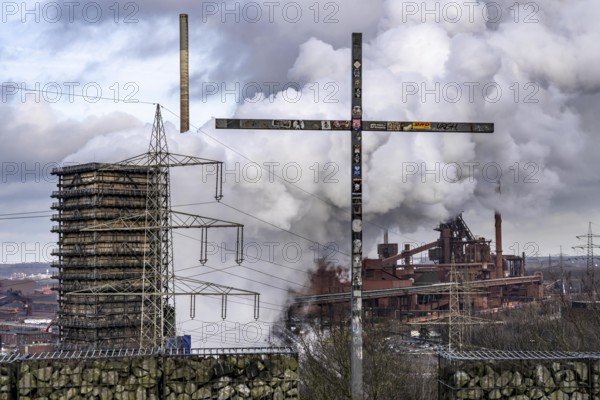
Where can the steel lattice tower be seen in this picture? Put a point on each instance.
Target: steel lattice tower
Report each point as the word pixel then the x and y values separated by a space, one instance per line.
pixel 158 311
pixel 589 246
pixel 455 326
pixel 460 321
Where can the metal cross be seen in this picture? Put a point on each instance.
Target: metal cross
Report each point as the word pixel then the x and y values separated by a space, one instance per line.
pixel 356 125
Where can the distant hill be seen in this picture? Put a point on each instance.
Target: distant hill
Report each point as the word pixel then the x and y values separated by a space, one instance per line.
pixel 6 270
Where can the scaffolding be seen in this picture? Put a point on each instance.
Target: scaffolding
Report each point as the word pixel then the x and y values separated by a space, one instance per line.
pixel 87 195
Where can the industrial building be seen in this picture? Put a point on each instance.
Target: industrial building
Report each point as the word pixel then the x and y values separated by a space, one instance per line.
pixel 397 287
pixel 20 298
pixel 93 264
pixel 24 338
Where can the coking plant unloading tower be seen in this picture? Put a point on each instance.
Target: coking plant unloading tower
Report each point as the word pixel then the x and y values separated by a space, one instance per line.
pixel 87 195
pixel 116 278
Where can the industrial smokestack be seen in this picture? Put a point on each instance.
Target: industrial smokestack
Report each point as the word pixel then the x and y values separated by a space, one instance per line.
pixel 184 74
pixel 498 219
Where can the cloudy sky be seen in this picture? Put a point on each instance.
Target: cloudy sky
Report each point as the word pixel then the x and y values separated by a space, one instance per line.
pixel 80 80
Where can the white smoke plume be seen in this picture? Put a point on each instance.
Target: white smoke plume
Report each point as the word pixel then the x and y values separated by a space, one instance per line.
pixel 529 68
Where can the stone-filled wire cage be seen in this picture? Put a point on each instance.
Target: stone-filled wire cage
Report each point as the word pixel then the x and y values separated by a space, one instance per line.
pixel 519 375
pixel 240 373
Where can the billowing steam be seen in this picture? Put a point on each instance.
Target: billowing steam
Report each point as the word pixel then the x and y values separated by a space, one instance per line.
pixel 530 70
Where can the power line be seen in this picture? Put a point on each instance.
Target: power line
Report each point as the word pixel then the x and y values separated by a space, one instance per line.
pixel 277 227
pixel 248 159
pixel 233 251
pixel 282 179
pixel 24 215
pixel 250 280
pixel 27 212
pixel 251 269
pixel 27 217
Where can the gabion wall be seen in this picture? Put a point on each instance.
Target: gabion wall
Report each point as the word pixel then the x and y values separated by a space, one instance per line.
pixel 519 376
pixel 153 376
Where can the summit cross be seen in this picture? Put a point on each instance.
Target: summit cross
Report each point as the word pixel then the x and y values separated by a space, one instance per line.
pixel 355 125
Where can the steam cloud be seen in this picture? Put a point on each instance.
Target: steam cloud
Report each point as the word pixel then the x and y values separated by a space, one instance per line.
pixel 535 79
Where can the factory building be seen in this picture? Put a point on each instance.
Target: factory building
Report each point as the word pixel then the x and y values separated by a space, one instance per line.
pixel 395 286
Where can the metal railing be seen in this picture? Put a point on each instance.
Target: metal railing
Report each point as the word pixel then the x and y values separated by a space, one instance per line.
pixel 143 352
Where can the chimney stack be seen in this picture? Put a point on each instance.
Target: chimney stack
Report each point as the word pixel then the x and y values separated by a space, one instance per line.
pixel 498 218
pixel 184 74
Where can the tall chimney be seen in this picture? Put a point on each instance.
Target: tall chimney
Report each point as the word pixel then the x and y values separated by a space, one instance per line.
pixel 498 219
pixel 184 74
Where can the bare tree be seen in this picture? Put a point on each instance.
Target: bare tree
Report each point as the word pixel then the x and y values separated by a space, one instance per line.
pixel 390 372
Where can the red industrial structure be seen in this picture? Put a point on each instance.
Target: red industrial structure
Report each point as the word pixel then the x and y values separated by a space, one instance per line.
pixel 396 287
